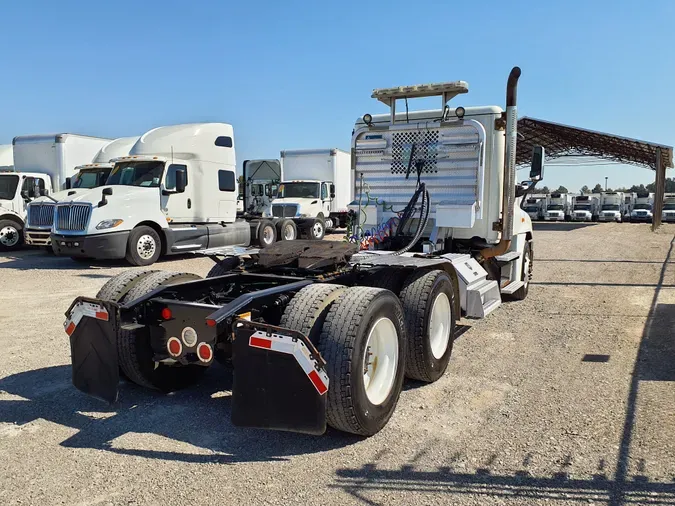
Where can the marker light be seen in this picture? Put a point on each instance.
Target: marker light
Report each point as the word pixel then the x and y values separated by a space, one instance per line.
pixel 367 119
pixel 460 112
pixel 166 313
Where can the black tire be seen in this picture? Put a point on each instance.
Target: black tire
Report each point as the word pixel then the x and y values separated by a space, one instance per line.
pixel 388 278
pixel 420 292
pixel 342 344
pixel 307 310
pixel 118 286
pixel 287 230
pixel 11 235
pixel 223 267
pixel 267 234
pixel 317 229
pixel 135 353
pixel 151 243
pixel 522 292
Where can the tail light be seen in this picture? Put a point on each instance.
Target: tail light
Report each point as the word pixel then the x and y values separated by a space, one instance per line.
pixel 205 352
pixel 174 346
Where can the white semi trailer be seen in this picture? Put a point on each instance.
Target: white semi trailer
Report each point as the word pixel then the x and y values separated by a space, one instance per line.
pixel 40 212
pixel 585 207
pixel 612 206
pixel 323 333
pixel 42 165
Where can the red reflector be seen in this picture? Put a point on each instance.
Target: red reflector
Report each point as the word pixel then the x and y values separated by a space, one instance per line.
pixel 174 346
pixel 257 342
pixel 102 315
pixel 211 323
pixel 316 379
pixel 204 352
pixel 70 328
pixel 166 313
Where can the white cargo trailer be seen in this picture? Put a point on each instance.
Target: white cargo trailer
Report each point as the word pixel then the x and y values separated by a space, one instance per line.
pixel 42 165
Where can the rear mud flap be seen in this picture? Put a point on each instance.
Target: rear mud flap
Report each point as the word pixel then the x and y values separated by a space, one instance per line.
pixel 92 327
pixel 280 380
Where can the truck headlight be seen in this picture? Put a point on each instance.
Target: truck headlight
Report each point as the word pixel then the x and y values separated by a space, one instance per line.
pixel 105 224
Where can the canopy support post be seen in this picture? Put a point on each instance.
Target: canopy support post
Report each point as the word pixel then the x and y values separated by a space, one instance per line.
pixel 660 191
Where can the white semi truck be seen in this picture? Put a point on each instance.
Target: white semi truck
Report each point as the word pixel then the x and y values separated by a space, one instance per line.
pixel 611 206
pixel 175 192
pixel 668 214
pixel 42 165
pixel 535 206
pixel 585 207
pixel 559 207
pixel 323 332
pixel 317 187
pixel 40 212
pixel 642 208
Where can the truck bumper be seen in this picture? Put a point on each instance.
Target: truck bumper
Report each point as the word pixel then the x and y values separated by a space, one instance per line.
pixel 37 237
pixel 112 245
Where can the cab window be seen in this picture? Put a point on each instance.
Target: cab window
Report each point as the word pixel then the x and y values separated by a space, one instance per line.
pixel 170 182
pixel 324 191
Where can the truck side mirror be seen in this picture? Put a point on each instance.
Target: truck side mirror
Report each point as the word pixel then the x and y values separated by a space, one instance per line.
pixel 332 191
pixel 69 183
pixel 25 194
pixel 537 167
pixel 181 180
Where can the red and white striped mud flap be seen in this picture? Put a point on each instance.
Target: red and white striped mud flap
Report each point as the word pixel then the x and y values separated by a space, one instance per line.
pixel 81 309
pixel 92 328
pixel 280 381
pixel 295 347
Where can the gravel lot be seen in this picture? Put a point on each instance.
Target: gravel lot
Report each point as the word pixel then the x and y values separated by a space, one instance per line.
pixel 564 398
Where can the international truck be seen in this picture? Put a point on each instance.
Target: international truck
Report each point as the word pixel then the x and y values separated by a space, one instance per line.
pixel 611 206
pixel 642 208
pixel 40 212
pixel 668 214
pixel 261 181
pixel 176 192
pixel 317 187
pixel 535 206
pixel 42 165
pixel 585 207
pixel 559 207
pixel 323 332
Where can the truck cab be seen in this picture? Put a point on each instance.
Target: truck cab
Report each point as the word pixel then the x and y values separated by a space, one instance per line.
pixel 534 207
pixel 668 215
pixel 558 208
pixel 642 209
pixel 611 207
pixel 261 181
pixel 585 208
pixel 17 190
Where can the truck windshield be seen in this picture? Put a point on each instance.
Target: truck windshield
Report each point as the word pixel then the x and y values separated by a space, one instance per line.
pixel 643 206
pixel 136 174
pixel 610 207
pixel 299 190
pixel 555 207
pixel 668 206
pixel 582 207
pixel 8 184
pixel 89 178
pixel 531 209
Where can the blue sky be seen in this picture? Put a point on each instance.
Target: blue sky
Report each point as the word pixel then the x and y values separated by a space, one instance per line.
pixel 293 75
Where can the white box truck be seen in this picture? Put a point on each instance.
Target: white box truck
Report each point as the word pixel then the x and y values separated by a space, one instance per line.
pixel 585 207
pixel 642 208
pixel 668 214
pixel 174 193
pixel 40 212
pixel 316 190
pixel 559 207
pixel 535 206
pixel 611 206
pixel 42 164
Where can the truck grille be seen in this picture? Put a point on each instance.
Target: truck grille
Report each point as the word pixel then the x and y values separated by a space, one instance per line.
pixel 72 217
pixel 40 215
pixel 280 211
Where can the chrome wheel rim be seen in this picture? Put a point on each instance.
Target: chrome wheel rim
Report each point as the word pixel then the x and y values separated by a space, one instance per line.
pixel 268 234
pixel 439 325
pixel 380 361
pixel 9 236
pixel 317 229
pixel 146 246
pixel 289 233
pixel 329 223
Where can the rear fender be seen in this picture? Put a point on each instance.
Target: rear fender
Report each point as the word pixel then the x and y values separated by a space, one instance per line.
pixel 92 327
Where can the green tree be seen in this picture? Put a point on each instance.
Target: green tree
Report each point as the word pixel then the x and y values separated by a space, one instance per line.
pixel 597 188
pixel 585 189
pixel 544 190
pixel 562 189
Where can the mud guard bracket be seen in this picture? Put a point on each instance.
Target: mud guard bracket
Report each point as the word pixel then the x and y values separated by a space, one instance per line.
pixel 280 381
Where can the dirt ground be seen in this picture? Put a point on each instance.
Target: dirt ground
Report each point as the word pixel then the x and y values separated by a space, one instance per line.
pixel 565 398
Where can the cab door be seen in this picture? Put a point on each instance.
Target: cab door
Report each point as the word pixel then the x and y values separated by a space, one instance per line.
pixel 325 198
pixel 177 205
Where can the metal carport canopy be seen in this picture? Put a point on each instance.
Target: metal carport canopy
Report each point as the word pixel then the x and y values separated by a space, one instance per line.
pixel 563 140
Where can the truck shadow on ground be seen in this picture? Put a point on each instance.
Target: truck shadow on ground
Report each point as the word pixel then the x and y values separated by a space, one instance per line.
pixel 198 417
pixel 560 226
pixel 654 362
